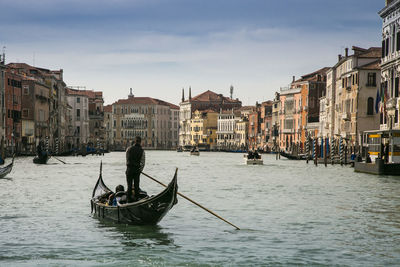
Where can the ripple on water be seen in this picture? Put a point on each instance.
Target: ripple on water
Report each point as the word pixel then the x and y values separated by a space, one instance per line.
pixel 290 213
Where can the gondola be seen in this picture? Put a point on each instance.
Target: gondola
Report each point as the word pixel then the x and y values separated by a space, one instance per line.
pixel 146 211
pixel 42 160
pixel 7 169
pixel 292 157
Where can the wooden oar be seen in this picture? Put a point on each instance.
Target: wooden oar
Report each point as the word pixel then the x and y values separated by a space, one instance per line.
pixel 194 202
pixel 59 159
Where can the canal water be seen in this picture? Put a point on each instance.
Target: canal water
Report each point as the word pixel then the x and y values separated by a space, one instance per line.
pixel 290 213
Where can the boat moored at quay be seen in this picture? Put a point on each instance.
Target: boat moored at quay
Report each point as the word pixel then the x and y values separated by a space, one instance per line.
pixel 383 153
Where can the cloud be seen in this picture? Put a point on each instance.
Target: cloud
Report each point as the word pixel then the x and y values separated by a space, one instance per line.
pixel 157 47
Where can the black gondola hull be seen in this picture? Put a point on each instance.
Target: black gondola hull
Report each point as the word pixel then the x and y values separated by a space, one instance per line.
pixel 147 211
pixel 42 160
pixel 7 169
pixel 292 157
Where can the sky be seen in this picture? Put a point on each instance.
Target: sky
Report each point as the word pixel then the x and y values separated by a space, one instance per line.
pixel 158 47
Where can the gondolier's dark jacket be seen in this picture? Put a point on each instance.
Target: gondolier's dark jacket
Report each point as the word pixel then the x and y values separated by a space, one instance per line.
pixel 135 158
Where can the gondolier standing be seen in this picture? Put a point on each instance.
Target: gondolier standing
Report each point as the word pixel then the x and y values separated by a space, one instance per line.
pixel 135 161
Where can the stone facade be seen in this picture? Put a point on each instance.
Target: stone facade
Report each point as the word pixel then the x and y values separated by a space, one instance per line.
pixel 204 129
pixel 79 102
pixel 207 100
pixel 390 65
pixel 155 120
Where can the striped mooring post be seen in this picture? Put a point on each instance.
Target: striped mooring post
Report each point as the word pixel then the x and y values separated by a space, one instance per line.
pixel 341 150
pixel 56 145
pixel 47 143
pixel 332 149
pixel 315 152
pixel 307 148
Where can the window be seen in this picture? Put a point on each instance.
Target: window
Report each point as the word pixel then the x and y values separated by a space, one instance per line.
pixel 26 90
pixel 41 115
pixel 370 106
pixel 78 100
pixel 396 116
pixel 78 129
pixel 396 87
pixel 371 79
pixel 25 113
pixel 78 113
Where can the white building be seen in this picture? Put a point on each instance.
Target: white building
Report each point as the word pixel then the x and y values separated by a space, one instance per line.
pixel 390 64
pixel 226 129
pixel 79 103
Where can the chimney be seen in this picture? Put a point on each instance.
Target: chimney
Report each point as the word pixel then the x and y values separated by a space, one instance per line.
pixel 294 78
pixel 190 93
pixel 346 50
pixel 339 57
pixel 130 94
pixel 183 94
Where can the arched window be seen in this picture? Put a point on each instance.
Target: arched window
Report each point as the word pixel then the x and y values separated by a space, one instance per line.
pixel 370 105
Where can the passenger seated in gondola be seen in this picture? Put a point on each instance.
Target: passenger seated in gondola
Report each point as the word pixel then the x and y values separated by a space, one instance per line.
pixel 250 155
pixel 118 197
pixel 39 150
pixel 368 160
pixel 256 155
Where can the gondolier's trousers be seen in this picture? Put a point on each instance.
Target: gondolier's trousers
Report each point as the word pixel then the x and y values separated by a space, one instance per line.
pixel 132 175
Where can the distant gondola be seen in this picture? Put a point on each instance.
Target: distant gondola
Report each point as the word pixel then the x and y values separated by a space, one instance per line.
pixel 41 160
pixel 292 157
pixel 7 169
pixel 146 211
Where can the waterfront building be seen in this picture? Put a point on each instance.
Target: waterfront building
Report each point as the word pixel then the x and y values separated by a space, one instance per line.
pixel 96 116
pixel 328 105
pixel 207 100
pixel 2 103
pixel 204 129
pixel 313 87
pixel 266 125
pixel 254 131
pixel 357 87
pixel 245 111
pixel 241 133
pixel 226 136
pixel 35 113
pixel 43 106
pixel 290 117
pixel 79 102
pixel 108 126
pixel 390 65
pixel 155 120
pixel 275 120
pixel 12 99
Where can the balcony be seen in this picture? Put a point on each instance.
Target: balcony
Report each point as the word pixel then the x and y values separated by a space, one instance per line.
pixel 288 131
pixel 346 116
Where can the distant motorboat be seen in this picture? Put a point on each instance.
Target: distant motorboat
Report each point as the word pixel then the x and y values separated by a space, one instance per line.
pixel 251 159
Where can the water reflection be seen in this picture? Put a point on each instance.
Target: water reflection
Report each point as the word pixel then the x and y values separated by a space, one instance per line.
pixel 138 236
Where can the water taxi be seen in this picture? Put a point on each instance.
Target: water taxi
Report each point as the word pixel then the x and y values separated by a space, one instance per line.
pixel 383 153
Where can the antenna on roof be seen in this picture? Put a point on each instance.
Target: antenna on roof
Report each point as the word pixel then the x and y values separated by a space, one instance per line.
pixel 3 58
pixel 231 91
